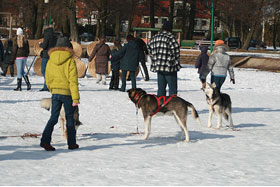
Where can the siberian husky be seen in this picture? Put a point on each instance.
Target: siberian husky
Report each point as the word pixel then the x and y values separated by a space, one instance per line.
pixel 151 105
pixel 46 103
pixel 218 102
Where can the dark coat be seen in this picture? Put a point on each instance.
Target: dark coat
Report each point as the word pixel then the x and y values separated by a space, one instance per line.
pixel 102 53
pixel 115 64
pixel 129 56
pixel 48 42
pixel 202 61
pixel 20 52
pixel 8 51
pixel 1 51
pixel 142 49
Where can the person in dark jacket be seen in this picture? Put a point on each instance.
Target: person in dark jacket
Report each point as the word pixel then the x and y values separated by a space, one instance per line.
pixel 20 53
pixel 48 42
pixel 165 55
pixel 7 56
pixel 129 56
pixel 143 51
pixel 202 65
pixel 1 52
pixel 102 52
pixel 115 68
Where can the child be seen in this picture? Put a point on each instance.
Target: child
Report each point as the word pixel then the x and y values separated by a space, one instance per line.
pixel 115 67
pixel 7 55
pixel 202 65
pixel 62 81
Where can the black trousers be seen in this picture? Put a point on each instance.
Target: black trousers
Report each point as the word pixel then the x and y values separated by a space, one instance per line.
pixel 115 79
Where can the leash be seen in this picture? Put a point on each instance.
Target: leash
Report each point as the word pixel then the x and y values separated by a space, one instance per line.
pixel 31 65
pixel 25 135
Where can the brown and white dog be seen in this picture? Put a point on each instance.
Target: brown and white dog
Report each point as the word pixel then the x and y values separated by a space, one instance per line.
pixel 219 103
pixel 173 105
pixel 46 103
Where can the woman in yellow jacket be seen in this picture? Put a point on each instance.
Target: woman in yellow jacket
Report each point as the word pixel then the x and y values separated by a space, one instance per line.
pixel 62 81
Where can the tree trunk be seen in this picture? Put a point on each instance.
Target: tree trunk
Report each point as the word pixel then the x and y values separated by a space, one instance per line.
pixel 118 26
pixel 184 18
pixel 253 27
pixel 39 20
pixel 192 20
pixel 171 11
pixel 274 31
pixel 152 14
pixel 73 22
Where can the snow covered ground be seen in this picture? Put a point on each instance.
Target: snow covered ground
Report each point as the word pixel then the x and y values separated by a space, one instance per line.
pixel 110 154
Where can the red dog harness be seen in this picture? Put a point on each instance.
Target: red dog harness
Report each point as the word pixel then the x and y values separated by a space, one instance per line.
pixel 159 106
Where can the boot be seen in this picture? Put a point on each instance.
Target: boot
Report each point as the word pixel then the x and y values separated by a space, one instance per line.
pixel 18 85
pixel 27 82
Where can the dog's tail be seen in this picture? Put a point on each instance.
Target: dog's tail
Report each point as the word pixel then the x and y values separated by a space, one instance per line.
pixel 46 103
pixel 194 113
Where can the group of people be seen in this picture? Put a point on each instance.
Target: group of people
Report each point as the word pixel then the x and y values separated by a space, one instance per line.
pixel 219 63
pixel 16 50
pixel 61 77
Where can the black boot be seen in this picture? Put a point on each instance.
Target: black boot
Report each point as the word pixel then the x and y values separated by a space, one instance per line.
pixel 27 82
pixel 18 85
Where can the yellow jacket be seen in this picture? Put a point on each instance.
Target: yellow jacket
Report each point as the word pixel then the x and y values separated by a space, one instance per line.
pixel 61 73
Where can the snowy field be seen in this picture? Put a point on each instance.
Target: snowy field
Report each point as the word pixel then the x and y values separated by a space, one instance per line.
pixel 110 154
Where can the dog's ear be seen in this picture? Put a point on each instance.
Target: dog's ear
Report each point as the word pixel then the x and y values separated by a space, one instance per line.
pixel 213 85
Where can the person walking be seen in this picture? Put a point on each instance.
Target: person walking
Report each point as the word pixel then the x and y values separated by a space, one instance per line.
pixel 1 52
pixel 129 56
pixel 49 41
pixel 7 56
pixel 219 63
pixel 143 51
pixel 202 65
pixel 62 81
pixel 102 52
pixel 20 53
pixel 115 68
pixel 165 54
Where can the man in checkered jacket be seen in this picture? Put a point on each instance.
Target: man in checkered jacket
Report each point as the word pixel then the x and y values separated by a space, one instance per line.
pixel 165 54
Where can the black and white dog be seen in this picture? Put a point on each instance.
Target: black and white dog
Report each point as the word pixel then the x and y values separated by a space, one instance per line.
pixel 218 102
pixel 152 105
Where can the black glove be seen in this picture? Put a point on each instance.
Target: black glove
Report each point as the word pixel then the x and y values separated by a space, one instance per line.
pixel 233 81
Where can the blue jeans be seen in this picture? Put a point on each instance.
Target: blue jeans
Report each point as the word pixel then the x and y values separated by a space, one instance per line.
pixel 219 81
pixel 164 79
pixel 57 101
pixel 43 71
pixel 132 77
pixel 20 67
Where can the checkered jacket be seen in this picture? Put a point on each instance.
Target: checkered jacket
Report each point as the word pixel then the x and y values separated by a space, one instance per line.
pixel 165 52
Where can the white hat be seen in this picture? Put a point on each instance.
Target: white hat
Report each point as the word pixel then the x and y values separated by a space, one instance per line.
pixel 19 31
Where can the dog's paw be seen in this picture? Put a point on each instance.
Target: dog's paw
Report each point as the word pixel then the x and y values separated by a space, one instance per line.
pixel 187 141
pixel 209 125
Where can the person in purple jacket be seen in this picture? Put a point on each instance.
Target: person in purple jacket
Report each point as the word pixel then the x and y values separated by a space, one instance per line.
pixel 202 65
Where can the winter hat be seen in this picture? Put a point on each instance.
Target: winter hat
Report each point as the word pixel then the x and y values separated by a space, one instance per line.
pixel 63 41
pixel 219 42
pixel 19 31
pixel 167 25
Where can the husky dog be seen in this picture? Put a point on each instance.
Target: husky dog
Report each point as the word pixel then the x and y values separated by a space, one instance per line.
pixel 46 103
pixel 173 105
pixel 219 103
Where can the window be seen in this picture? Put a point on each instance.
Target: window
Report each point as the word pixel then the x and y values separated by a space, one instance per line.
pixel 203 23
pixel 146 20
